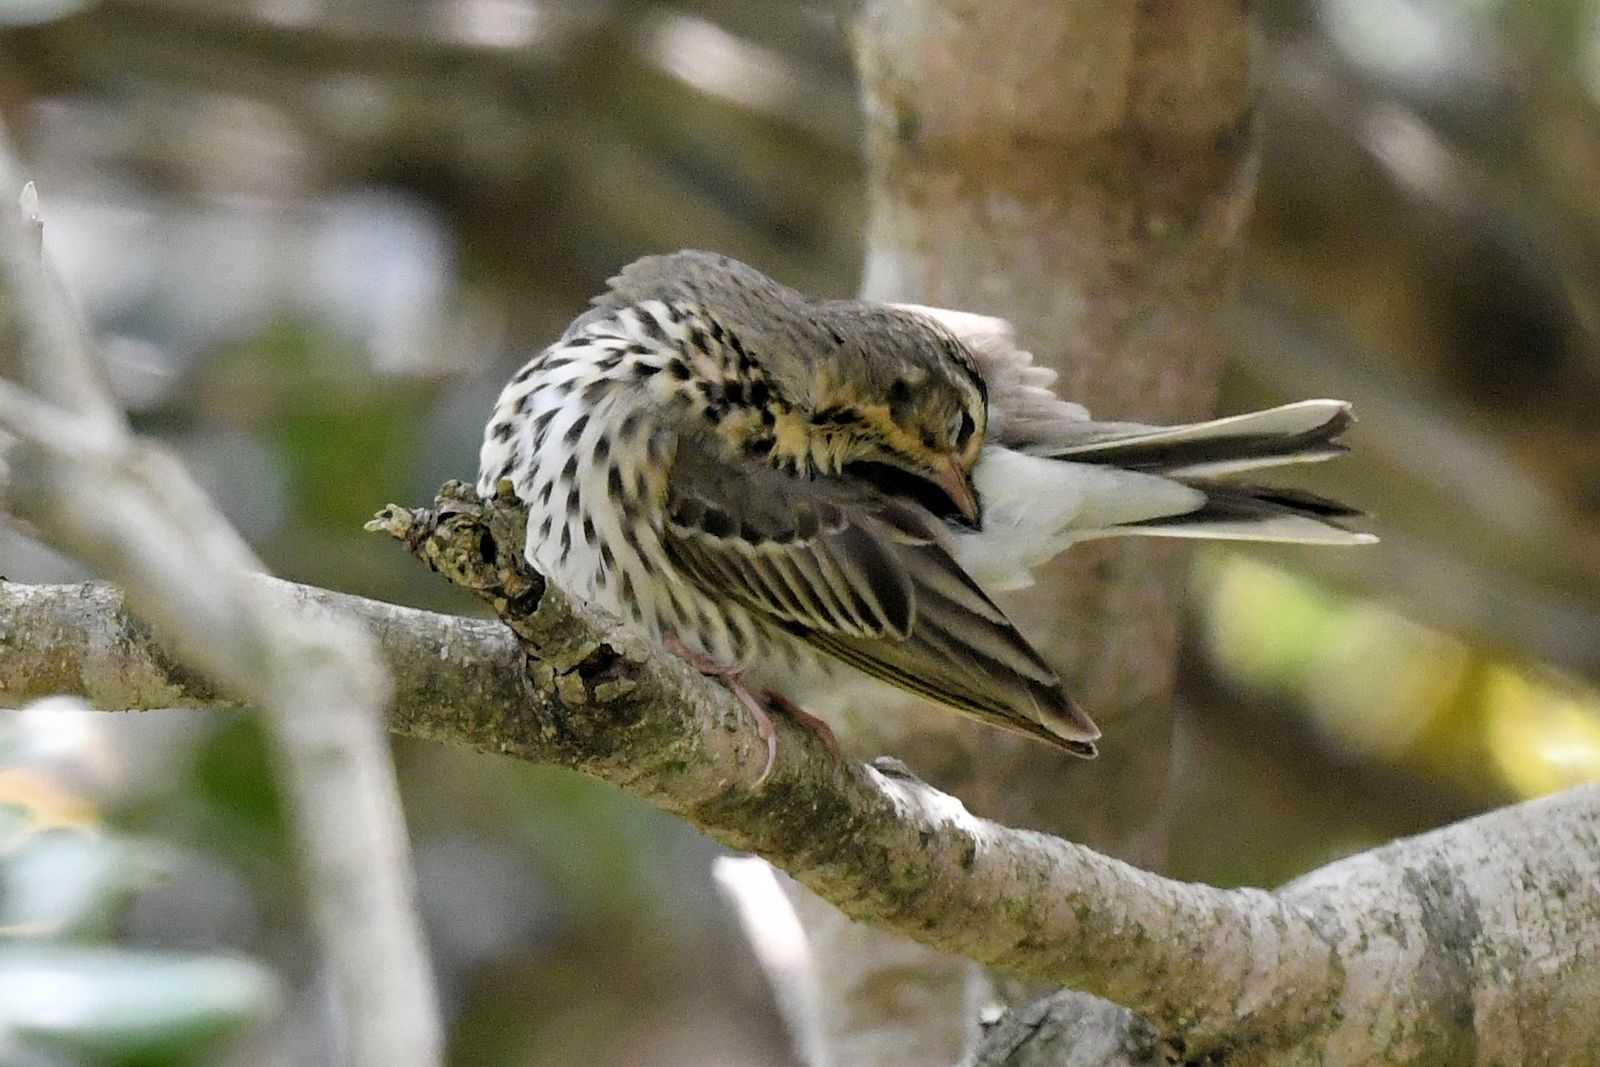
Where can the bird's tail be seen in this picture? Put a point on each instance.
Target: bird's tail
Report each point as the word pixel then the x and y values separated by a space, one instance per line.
pixel 1202 455
pixel 1242 512
pixel 1303 432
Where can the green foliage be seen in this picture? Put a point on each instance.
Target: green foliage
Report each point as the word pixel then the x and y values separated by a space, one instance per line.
pixel 65 883
pixel 108 1006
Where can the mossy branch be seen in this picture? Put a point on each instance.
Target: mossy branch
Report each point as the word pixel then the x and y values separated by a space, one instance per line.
pixel 1403 948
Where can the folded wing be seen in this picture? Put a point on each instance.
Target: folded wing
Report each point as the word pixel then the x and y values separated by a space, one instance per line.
pixel 866 580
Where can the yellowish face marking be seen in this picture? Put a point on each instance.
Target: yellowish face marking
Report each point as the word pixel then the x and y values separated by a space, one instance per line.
pixel 809 445
pixel 740 427
pixel 792 439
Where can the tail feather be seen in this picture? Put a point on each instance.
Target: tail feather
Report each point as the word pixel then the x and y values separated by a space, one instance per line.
pixel 1258 513
pixel 1304 432
pixel 1196 456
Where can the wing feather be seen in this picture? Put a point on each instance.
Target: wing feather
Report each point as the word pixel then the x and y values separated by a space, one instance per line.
pixel 867 580
pixel 857 587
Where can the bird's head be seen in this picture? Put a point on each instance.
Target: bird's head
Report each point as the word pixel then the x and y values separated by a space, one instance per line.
pixel 895 400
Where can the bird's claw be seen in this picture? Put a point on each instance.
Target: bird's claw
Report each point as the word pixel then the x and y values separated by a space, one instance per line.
pixel 764 728
pixel 812 724
pixel 729 677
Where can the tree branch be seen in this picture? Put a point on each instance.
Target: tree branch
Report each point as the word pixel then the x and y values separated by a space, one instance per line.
pixel 1068 1029
pixel 76 476
pixel 1478 940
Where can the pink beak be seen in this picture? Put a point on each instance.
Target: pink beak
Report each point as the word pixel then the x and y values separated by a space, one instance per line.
pixel 953 480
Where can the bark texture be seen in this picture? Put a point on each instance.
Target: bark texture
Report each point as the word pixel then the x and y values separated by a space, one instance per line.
pixel 1475 944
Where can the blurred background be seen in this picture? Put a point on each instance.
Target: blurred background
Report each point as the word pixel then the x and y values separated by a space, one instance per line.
pixel 315 238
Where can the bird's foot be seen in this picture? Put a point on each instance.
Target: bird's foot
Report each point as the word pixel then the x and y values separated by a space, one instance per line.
pixel 813 725
pixel 764 727
pixel 699 660
pixel 730 677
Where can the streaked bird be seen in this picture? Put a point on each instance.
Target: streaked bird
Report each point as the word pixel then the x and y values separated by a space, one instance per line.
pixel 792 492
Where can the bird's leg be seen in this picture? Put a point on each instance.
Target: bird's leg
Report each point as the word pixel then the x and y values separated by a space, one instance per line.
pixel 730 677
pixel 817 727
pixel 764 727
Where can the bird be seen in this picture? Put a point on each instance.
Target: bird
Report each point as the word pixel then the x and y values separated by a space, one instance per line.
pixel 812 497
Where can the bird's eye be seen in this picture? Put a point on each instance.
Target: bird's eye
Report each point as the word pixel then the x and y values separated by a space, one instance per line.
pixel 899 395
pixel 965 430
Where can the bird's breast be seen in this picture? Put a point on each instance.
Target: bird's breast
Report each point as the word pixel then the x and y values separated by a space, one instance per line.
pixel 586 434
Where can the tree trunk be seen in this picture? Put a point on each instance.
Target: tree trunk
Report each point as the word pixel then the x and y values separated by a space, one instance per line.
pixel 1084 170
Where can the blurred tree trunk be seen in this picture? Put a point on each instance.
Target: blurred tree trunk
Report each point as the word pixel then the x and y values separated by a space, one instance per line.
pixel 1084 170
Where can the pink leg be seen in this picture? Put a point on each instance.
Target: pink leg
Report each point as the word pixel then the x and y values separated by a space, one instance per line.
pixel 764 728
pixel 729 676
pixel 819 728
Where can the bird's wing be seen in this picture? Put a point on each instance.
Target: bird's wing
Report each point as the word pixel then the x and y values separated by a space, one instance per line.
pixel 819 568
pixel 868 581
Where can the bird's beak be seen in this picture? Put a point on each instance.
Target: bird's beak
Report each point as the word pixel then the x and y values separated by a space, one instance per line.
pixel 953 480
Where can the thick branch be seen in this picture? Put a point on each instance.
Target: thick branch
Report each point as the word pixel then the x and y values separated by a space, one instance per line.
pixel 1409 947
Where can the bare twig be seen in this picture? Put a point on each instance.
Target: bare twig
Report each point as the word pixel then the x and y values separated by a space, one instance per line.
pixel 1484 933
pixel 767 916
pixel 126 508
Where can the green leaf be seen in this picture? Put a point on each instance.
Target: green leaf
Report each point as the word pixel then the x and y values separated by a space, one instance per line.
pixel 72 882
pixel 105 1006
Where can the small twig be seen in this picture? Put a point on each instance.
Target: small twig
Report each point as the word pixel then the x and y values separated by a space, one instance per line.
pixel 71 436
pixel 55 361
pixel 772 927
pixel 130 511
pixel 32 220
